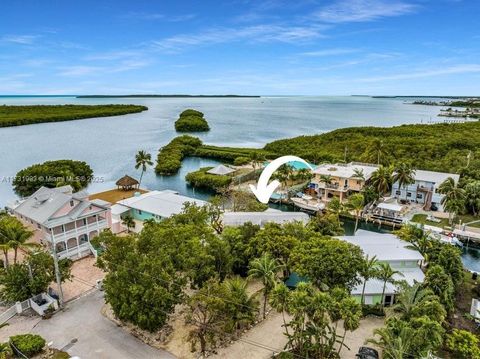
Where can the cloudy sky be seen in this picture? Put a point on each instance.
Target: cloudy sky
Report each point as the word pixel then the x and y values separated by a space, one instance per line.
pixel 273 47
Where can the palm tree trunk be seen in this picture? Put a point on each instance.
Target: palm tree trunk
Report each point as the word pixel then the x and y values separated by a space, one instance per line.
pixel 15 255
pixel 265 305
pixel 343 340
pixel 356 225
pixel 362 299
pixel 5 263
pixel 140 182
pixel 383 294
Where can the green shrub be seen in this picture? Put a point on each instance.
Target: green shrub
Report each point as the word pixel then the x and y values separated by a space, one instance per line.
pixel 28 344
pixel 376 310
pixel 169 159
pixel 239 161
pixel 463 344
pixel 191 121
pixel 77 174
pixel 202 179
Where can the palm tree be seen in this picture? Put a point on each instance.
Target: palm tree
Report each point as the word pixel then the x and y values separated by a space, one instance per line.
pixel 386 274
pixel 143 160
pixel 355 204
pixel 280 301
pixel 369 271
pixel 128 222
pixel 358 173
pixel 256 159
pixel 242 306
pixel 382 179
pixel 394 345
pixel 410 297
pixel 304 174
pixel 404 175
pixel 5 351
pixel 454 198
pixel 377 152
pixel 327 179
pixel 14 235
pixel 266 269
pixel 472 193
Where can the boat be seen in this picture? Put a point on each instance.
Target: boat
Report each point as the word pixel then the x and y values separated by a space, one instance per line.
pixel 308 203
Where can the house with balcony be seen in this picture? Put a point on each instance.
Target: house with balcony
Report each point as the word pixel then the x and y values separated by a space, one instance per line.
pixel 388 248
pixel 154 205
pixel 65 219
pixel 424 190
pixel 339 180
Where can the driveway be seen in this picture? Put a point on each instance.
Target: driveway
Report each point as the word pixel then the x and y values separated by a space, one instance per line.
pixel 80 329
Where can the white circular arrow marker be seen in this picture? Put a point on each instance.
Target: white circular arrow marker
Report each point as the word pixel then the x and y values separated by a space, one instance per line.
pixel 264 190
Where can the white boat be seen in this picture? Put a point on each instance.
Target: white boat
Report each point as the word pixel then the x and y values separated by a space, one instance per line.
pixel 308 204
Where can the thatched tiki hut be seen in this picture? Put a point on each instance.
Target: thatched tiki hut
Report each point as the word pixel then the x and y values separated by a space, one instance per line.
pixel 127 183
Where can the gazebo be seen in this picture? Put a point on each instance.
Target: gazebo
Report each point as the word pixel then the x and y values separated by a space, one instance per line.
pixel 221 170
pixel 127 183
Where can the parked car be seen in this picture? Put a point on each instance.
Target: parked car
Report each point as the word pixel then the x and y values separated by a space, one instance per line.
pixel 367 353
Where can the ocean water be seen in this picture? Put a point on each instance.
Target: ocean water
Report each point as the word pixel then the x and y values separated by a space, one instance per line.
pixel 109 144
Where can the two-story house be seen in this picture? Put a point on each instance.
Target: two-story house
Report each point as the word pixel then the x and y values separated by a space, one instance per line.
pixel 425 189
pixel 390 249
pixel 66 220
pixel 339 180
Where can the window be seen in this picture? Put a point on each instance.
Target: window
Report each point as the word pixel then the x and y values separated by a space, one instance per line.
pixel 419 196
pixel 139 212
pixel 84 221
pixel 398 193
pixel 409 194
pixel 72 203
pixel 38 225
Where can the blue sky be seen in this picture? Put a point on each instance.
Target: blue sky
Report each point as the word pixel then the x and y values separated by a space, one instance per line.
pixel 273 47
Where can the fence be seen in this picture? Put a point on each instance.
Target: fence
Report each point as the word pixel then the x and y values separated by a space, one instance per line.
pixel 15 309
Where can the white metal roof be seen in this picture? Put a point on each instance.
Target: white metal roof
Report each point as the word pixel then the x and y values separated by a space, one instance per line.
pixel 375 286
pixel 160 203
pixel 221 170
pixel 434 177
pixel 346 170
pixel 385 246
pixel 261 218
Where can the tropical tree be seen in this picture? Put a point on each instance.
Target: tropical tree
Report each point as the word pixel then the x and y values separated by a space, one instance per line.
pixel 382 179
pixel 441 285
pixel 14 235
pixel 394 345
pixel 327 179
pixel 355 204
pixel 280 301
pixel 411 297
pixel 386 274
pixel 358 173
pixel 256 159
pixel 368 271
pixel 265 269
pixel 241 307
pixel 303 174
pixel 128 222
pixel 5 351
pixel 377 152
pixel 142 160
pixel 454 197
pixel 472 195
pixel 463 344
pixel 405 175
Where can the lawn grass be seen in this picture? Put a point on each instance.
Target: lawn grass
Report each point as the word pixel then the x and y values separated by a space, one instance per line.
pixel 115 195
pixel 465 218
pixel 27 115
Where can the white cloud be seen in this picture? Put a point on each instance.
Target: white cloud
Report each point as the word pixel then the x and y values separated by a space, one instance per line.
pixel 257 33
pixel 157 16
pixel 328 52
pixel 20 39
pixel 363 10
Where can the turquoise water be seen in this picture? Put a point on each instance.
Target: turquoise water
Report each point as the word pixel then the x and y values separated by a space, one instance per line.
pixel 109 144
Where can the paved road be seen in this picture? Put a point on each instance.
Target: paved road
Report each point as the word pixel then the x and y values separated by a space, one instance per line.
pixel 83 331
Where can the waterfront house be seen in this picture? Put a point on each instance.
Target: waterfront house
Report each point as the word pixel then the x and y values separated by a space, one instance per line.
pixel 386 247
pixel 154 205
pixel 339 180
pixel 425 189
pixel 66 220
pixel 261 218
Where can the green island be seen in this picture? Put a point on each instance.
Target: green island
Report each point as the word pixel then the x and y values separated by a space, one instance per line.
pixel 169 159
pixel 202 179
pixel 167 96
pixel 27 115
pixel 77 174
pixel 191 121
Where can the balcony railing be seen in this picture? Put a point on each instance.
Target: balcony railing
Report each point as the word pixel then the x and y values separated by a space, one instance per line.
pixel 85 229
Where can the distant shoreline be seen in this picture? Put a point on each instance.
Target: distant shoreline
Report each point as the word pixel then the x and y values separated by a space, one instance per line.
pixel 167 96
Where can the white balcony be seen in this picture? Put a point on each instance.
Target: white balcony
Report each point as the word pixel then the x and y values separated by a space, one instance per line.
pixel 86 229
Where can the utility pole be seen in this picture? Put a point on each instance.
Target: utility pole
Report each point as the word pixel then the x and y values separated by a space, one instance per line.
pixel 57 270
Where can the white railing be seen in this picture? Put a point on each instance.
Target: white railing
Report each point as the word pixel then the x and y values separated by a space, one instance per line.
pixel 86 229
pixel 15 309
